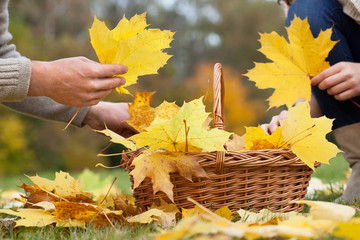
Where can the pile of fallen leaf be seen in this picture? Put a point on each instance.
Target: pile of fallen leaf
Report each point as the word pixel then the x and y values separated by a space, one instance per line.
pixel 62 203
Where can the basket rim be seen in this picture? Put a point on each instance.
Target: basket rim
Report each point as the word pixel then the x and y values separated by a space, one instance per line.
pixel 253 158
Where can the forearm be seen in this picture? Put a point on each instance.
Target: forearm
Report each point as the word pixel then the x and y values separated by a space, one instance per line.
pixel 46 108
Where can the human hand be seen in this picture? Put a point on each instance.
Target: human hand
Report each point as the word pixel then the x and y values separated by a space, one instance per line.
pixel 341 80
pixel 114 115
pixel 77 81
pixel 269 128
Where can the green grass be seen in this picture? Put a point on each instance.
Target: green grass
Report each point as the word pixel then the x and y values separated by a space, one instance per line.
pixel 333 172
pixel 49 233
pixel 122 181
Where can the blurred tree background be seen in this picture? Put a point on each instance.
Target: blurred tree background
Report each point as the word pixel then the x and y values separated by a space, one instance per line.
pixel 207 31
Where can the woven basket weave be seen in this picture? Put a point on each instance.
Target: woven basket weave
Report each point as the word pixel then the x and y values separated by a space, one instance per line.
pixel 253 180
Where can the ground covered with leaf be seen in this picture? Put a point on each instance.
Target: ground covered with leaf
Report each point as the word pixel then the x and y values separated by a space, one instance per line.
pixel 95 218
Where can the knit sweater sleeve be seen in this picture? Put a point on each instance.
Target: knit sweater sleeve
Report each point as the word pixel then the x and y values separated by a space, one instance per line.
pixel 352 9
pixel 15 71
pixel 46 108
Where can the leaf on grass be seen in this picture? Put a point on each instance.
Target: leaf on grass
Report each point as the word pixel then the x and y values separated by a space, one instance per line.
pixel 158 166
pixel 271 231
pixel 348 230
pixel 31 217
pixel 172 134
pixel 126 203
pixel 129 43
pixel 71 209
pixel 292 63
pixel 328 210
pixel 187 212
pixel 63 185
pixel 255 139
pixel 163 214
pixel 83 212
pixel 187 228
pixel 263 216
pixel 306 136
pixel 224 212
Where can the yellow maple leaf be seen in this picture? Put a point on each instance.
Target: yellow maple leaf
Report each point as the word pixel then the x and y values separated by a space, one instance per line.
pixel 63 185
pixel 129 43
pixel 158 166
pixel 84 212
pixel 237 143
pixel 141 117
pixel 141 99
pixel 255 139
pixel 328 210
pixel 306 136
pixel 263 216
pixel 167 110
pixel 292 63
pixel 349 229
pixel 142 114
pixel 185 132
pixel 30 217
pixel 116 138
pixel 224 212
pixel 186 228
pixel 187 212
pixel 163 214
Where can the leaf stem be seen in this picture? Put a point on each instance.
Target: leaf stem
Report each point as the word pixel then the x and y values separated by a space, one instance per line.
pixel 355 102
pixel 288 142
pixel 72 119
pixel 112 184
pixel 186 137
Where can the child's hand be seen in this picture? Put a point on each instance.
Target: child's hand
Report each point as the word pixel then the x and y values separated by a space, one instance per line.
pixel 269 128
pixel 341 80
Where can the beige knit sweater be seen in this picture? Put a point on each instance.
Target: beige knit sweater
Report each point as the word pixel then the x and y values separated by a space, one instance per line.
pixel 15 72
pixel 352 8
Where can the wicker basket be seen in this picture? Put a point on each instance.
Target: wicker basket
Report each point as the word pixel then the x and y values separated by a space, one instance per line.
pixel 253 180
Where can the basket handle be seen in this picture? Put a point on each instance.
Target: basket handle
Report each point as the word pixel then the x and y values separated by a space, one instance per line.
pixel 218 110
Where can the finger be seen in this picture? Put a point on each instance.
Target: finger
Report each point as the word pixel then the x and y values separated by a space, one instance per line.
pixel 283 115
pixel 274 120
pixel 108 70
pixel 348 94
pixel 331 81
pixel 339 88
pixel 265 128
pixel 273 127
pixel 325 74
pixel 100 94
pixel 108 83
